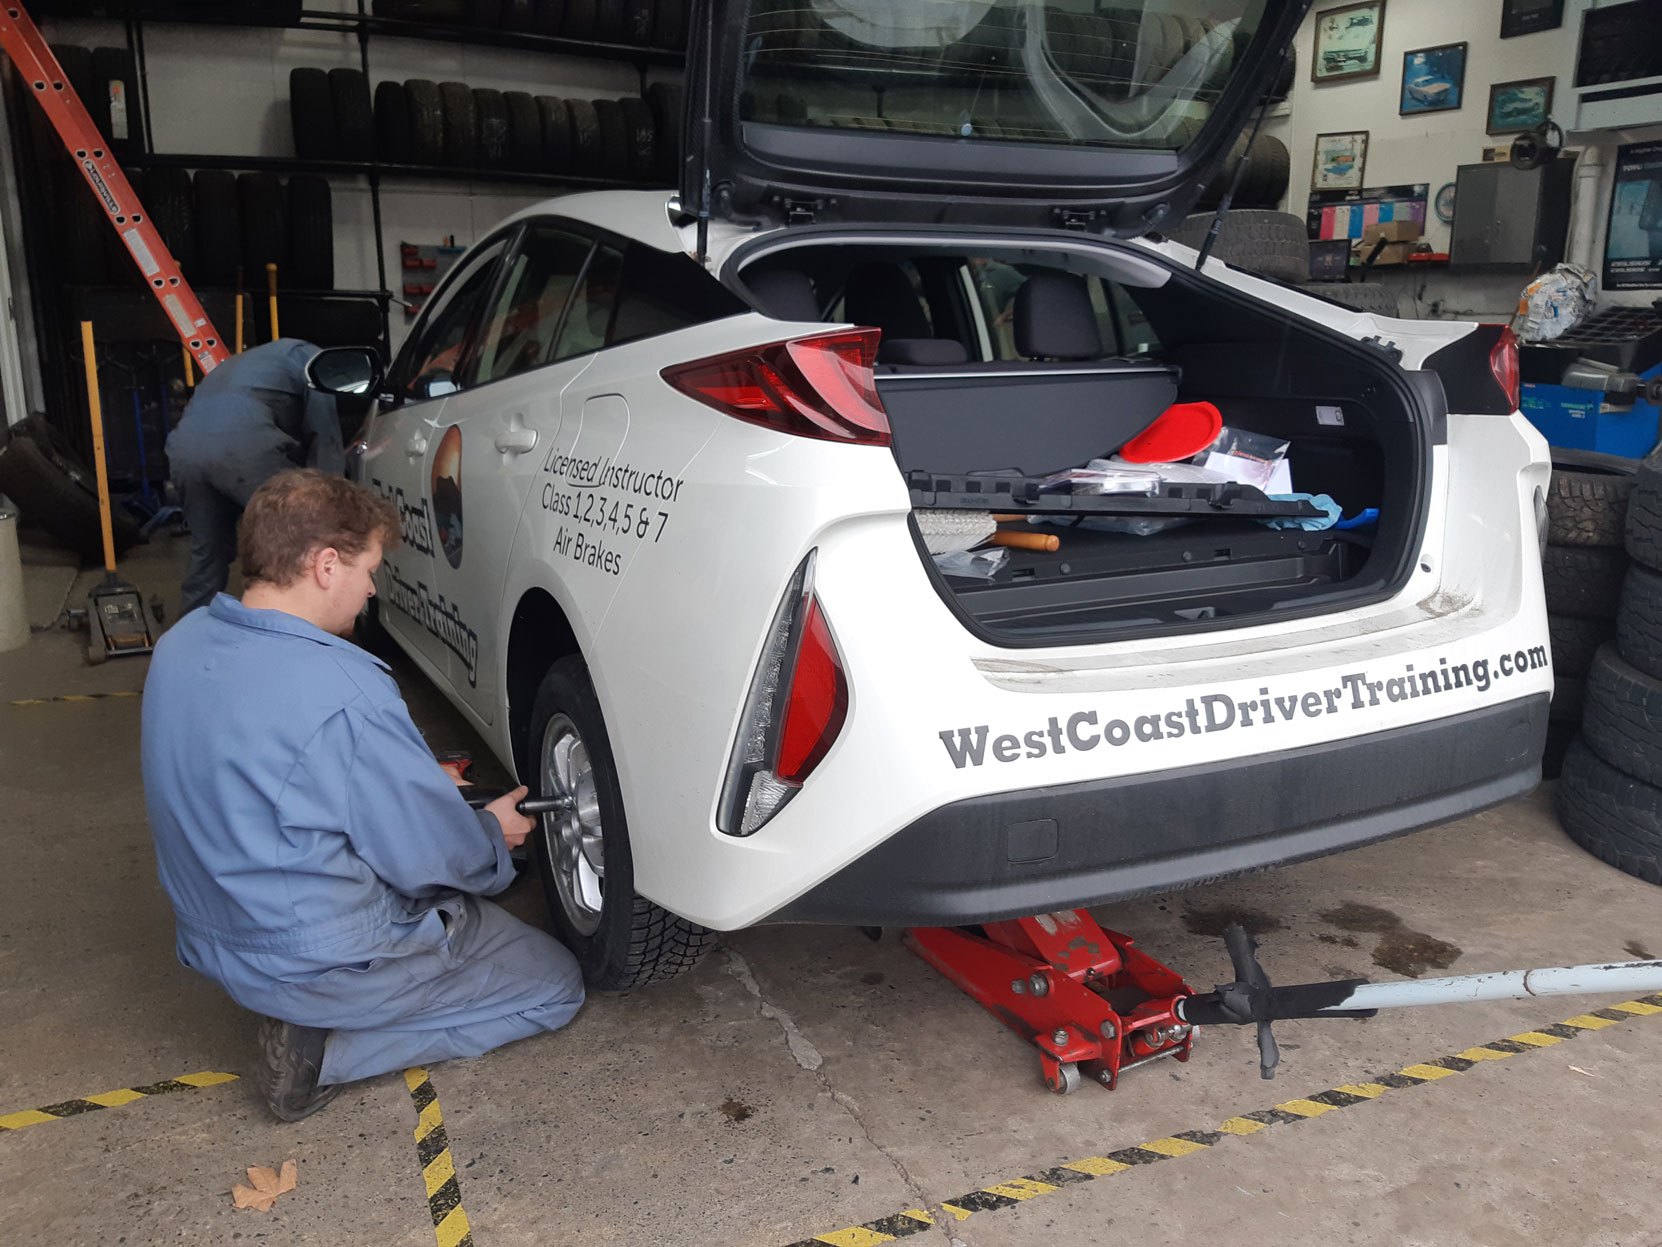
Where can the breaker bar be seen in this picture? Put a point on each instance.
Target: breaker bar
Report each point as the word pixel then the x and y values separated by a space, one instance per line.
pixel 68 115
pixel 1095 1005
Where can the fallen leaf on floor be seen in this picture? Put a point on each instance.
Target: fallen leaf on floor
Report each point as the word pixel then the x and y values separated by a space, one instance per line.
pixel 268 1185
pixel 1587 1072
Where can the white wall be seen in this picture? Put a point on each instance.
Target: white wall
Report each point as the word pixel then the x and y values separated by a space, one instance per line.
pixel 223 90
pixel 1429 147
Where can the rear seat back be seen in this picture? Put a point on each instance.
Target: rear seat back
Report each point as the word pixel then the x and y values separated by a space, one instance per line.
pixel 1054 319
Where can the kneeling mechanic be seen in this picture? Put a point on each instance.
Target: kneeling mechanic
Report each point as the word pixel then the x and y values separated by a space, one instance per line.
pixel 323 868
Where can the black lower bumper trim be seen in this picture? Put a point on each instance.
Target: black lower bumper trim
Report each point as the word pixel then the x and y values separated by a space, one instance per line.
pixel 1042 849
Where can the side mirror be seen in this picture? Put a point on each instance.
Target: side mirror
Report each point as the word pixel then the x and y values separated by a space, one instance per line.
pixel 354 370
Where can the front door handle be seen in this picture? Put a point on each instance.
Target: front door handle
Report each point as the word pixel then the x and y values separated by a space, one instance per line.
pixel 416 446
pixel 516 439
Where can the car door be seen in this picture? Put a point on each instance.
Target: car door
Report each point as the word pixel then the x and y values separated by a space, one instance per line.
pixel 497 434
pixel 402 444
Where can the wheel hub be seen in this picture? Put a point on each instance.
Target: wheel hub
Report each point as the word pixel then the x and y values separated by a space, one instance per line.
pixel 573 836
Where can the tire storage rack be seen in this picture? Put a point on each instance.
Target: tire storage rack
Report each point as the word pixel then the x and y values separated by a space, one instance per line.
pixel 1610 784
pixel 225 216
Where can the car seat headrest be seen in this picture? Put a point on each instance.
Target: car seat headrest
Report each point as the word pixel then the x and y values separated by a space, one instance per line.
pixel 1054 318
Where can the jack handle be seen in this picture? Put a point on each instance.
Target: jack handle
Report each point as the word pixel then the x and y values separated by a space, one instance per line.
pixel 1251 1000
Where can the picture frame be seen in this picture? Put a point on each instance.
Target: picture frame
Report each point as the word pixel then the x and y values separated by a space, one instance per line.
pixel 1347 42
pixel 1433 80
pixel 1340 161
pixel 1527 17
pixel 1518 106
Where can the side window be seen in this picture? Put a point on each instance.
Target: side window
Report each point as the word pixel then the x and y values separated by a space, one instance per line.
pixel 443 337
pixel 661 291
pixel 1107 322
pixel 996 284
pixel 1137 336
pixel 518 331
pixel 589 315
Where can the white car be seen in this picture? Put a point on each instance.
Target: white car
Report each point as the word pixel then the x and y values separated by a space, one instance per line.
pixel 665 465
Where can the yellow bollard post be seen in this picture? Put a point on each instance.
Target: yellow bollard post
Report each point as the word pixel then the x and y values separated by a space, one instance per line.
pixel 190 373
pixel 97 409
pixel 271 285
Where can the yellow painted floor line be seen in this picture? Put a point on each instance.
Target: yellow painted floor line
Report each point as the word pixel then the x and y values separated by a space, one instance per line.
pixel 1014 1191
pixel 111 1099
pixel 438 1169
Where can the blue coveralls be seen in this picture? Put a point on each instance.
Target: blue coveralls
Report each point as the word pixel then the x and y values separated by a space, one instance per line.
pixel 323 869
pixel 251 418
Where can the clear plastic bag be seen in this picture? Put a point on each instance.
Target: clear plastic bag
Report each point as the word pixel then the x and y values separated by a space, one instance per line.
pixel 1103 477
pixel 1250 459
pixel 1168 473
pixel 976 564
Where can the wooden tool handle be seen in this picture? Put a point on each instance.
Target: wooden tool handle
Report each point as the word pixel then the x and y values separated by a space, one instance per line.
pixel 1027 541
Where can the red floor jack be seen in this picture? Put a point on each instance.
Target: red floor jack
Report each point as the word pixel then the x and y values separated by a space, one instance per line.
pixel 1095 1006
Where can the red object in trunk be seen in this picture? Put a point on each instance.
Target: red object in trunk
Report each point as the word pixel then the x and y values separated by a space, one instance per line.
pixel 1091 1002
pixel 1181 430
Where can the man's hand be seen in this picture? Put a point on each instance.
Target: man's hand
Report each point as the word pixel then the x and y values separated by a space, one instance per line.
pixel 515 826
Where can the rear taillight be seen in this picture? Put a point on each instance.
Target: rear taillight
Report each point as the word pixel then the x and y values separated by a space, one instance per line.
pixel 1503 362
pixel 796 707
pixel 822 386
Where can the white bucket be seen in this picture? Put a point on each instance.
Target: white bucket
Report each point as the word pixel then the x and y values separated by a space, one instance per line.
pixel 14 619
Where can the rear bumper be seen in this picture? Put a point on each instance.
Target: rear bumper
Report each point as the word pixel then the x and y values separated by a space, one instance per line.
pixel 1037 850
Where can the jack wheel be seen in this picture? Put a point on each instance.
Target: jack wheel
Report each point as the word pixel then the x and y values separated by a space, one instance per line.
pixel 1067 1080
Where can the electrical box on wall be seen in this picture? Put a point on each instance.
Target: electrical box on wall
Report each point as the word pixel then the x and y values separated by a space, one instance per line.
pixel 1506 217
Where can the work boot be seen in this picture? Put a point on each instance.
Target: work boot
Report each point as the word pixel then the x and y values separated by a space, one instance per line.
pixel 290 1058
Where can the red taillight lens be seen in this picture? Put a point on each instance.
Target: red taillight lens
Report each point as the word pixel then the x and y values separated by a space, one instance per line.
pixel 1503 362
pixel 818 701
pixel 821 386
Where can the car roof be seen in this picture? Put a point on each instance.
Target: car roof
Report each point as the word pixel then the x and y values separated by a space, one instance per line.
pixel 640 215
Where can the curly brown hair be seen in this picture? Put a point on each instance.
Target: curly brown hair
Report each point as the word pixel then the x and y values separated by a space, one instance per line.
pixel 295 514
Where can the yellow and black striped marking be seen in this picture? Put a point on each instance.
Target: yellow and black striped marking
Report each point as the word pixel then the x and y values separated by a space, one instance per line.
pixel 47 701
pixel 111 1099
pixel 444 1192
pixel 1073 1172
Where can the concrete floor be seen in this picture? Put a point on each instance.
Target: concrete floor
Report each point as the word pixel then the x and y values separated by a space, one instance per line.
pixel 804 1081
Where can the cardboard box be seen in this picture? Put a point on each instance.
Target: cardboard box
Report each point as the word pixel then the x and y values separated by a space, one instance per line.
pixel 1390 253
pixel 1390 231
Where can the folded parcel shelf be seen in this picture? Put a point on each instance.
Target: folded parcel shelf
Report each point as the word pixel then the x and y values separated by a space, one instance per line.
pixel 1023 493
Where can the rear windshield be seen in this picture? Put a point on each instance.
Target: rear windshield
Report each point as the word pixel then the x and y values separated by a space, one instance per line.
pixel 1008 70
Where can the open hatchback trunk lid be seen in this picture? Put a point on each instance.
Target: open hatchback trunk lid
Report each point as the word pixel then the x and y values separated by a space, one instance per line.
pixel 988 112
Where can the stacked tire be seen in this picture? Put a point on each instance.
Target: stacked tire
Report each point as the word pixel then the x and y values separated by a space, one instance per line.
pixel 1610 784
pixel 631 23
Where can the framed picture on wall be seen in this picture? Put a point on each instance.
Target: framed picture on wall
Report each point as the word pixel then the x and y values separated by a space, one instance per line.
pixel 1340 159
pixel 1347 42
pixel 1525 17
pixel 1518 106
pixel 1433 79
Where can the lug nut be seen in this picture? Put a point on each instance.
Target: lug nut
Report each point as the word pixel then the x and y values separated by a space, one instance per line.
pixel 1060 1036
pixel 1038 984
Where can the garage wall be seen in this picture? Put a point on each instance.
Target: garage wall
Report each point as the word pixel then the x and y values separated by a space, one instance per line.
pixel 1429 147
pixel 224 91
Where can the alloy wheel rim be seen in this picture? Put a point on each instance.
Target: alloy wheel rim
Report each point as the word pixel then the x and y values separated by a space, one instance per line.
pixel 573 837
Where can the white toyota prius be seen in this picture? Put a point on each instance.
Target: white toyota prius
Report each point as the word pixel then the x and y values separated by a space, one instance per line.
pixel 686 478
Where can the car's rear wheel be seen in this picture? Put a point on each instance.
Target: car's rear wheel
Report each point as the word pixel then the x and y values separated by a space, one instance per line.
pixel 620 939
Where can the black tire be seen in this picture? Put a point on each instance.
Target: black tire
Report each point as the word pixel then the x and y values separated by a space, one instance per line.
pixel 1587 499
pixel 461 126
pixel 1569 698
pixel 550 18
pixel 171 199
pixel 669 25
pixel 118 261
pixel 1622 720
pixel 1583 581
pixel 1272 244
pixel 491 113
pixel 1560 732
pixel 585 138
pixel 1615 817
pixel 76 63
pixel 1644 513
pixel 524 131
pixel 426 122
pixel 641 137
pixel 614 139
pixel 630 942
pixel 392 123
pixel 579 19
pixel 518 15
pixel 218 227
pixel 61 496
pixel 664 100
pixel 556 134
pixel 118 116
pixel 1281 86
pixel 312 113
pixel 608 22
pixel 1575 641
pixel 265 229
pixel 354 118
pixel 1639 622
pixel 637 21
pixel 86 254
pixel 1381 300
pixel 311 233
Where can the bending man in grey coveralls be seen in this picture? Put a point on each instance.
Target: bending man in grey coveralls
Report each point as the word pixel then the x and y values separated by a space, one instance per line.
pixel 323 869
pixel 251 418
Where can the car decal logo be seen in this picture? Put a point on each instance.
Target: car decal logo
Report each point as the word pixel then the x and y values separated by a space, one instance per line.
pixel 446 492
